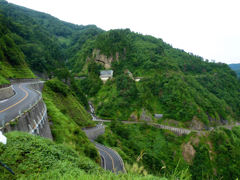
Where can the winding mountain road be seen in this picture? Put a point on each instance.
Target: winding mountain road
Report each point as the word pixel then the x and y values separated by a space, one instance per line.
pixel 23 99
pixel 110 159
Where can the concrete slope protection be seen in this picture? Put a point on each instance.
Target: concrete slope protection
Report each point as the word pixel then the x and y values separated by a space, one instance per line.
pixel 23 99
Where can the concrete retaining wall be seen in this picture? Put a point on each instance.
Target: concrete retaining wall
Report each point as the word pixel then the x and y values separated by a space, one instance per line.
pixel 6 92
pixel 34 120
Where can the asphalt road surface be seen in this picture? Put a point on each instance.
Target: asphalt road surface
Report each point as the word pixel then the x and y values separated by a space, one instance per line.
pixel 110 159
pixel 23 99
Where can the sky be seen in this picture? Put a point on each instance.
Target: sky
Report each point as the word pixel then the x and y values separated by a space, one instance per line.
pixel 208 28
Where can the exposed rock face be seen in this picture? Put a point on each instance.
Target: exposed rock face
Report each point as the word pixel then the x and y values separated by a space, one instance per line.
pixel 145 117
pixel 127 72
pixel 103 59
pixel 188 152
pixel 196 124
pixel 133 117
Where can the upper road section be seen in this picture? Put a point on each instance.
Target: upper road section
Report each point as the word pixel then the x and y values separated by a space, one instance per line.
pixel 23 99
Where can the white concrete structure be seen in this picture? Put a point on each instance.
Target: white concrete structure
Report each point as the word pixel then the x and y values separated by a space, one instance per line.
pixel 158 116
pixel 106 74
pixel 137 79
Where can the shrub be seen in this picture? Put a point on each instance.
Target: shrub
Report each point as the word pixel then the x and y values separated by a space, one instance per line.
pixel 58 87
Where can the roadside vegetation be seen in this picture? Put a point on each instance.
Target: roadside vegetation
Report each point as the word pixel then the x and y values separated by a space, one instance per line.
pixel 157 151
pixel 34 157
pixel 213 155
pixel 67 118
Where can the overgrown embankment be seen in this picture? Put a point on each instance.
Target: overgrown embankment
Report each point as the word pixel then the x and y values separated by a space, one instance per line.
pixel 33 157
pixel 67 116
pixel 158 151
pixel 212 155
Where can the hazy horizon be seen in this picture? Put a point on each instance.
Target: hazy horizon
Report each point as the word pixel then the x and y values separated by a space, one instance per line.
pixel 209 29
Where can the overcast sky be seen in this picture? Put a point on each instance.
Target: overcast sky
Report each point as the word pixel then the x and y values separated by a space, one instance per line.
pixel 209 28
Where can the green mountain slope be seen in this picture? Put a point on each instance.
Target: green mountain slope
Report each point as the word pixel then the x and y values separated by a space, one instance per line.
pixel 44 39
pixel 177 84
pixel 12 59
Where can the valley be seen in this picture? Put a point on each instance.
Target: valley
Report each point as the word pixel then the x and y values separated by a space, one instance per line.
pixel 118 104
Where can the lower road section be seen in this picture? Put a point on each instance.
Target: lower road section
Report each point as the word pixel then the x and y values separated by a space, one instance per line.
pixel 110 159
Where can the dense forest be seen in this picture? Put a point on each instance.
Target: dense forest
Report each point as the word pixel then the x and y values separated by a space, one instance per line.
pixel 42 38
pixel 186 89
pixel 12 59
pixel 179 85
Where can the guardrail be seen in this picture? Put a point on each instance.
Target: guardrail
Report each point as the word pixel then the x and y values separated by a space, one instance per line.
pixel 24 80
pixel 5 85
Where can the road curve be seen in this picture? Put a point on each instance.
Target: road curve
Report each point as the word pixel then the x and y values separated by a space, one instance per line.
pixel 110 159
pixel 22 100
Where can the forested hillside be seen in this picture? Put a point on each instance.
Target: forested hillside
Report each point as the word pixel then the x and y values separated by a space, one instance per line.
pixel 12 59
pixel 210 156
pixel 179 85
pixel 43 39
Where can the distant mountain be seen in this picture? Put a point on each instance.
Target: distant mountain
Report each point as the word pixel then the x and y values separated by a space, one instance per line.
pixel 236 68
pixel 45 40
